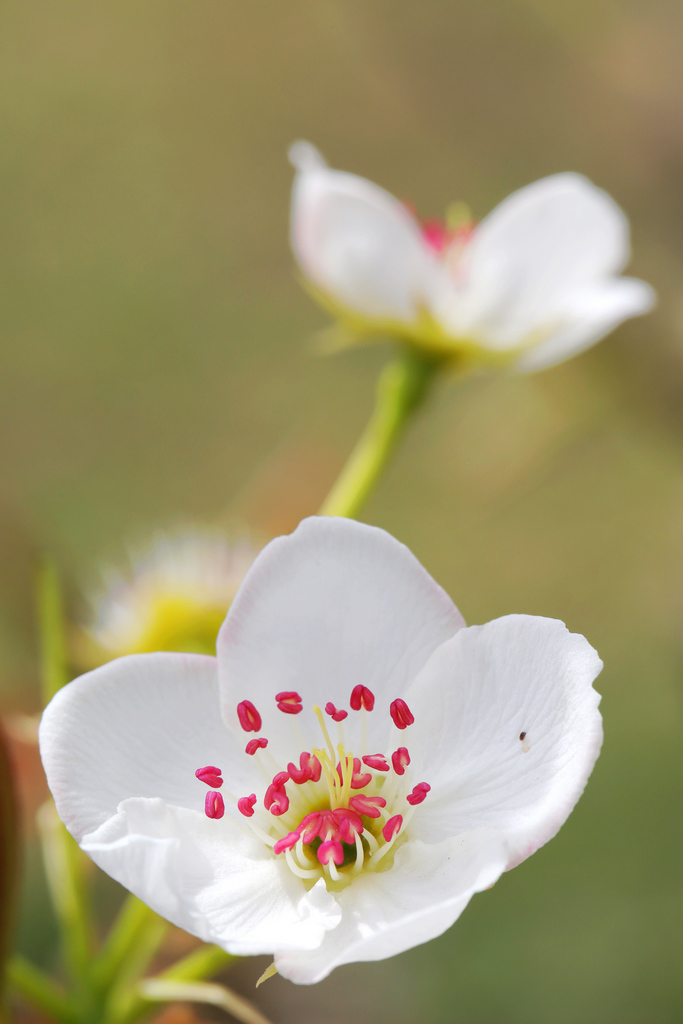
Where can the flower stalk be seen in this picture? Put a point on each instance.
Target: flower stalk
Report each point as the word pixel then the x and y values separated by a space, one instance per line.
pixel 402 388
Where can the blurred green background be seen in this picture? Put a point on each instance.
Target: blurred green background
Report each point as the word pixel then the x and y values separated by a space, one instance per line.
pixel 157 365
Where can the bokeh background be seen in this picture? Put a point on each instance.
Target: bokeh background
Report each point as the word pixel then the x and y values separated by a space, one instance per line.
pixel 157 365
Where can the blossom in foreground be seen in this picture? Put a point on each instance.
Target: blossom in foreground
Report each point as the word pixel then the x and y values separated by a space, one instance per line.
pixel 352 767
pixel 531 285
pixel 173 596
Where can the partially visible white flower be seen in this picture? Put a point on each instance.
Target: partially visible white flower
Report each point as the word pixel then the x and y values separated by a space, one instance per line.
pixel 173 595
pixel 349 771
pixel 531 285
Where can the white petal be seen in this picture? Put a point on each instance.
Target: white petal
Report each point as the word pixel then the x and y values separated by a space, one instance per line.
pixel 519 676
pixel 138 726
pixel 418 898
pixel 542 243
pixel 206 877
pixel 357 242
pixel 334 605
pixel 588 316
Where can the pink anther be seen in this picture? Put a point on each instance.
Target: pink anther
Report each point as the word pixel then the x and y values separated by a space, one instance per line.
pixel 419 793
pixel 400 759
pixel 401 714
pixel 310 827
pixel 349 822
pixel 368 805
pixel 213 805
pixel 331 850
pixel 276 800
pixel 376 761
pixel 289 701
pixel 210 775
pixel 245 805
pixel 392 827
pixel 250 720
pixel 253 745
pixel 335 714
pixel 359 780
pixel 362 697
pixel 309 769
pixel 286 843
pixel 313 765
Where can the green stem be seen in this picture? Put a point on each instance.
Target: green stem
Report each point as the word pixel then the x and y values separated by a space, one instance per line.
pixel 63 870
pixel 134 919
pixel 402 387
pixel 196 966
pixel 39 990
pixel 52 630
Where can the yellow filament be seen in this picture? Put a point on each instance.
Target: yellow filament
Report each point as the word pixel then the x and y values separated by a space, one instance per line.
pixel 326 734
pixel 324 762
pixel 346 763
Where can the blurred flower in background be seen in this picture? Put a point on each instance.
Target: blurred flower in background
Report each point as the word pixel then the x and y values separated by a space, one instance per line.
pixel 173 596
pixel 531 285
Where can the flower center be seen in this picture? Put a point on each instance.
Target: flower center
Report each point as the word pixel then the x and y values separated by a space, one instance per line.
pixel 334 814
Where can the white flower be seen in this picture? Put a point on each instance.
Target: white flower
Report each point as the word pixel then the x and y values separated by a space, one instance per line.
pixel 383 761
pixel 532 284
pixel 173 597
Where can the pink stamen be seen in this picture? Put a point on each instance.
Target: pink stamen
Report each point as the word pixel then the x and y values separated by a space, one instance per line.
pixel 362 697
pixel 245 805
pixel 289 701
pixel 436 234
pixel 250 720
pixel 276 800
pixel 376 761
pixel 400 759
pixel 368 805
pixel 286 843
pixel 309 769
pixel 213 805
pixel 358 780
pixel 310 826
pixel 419 793
pixel 401 714
pixel 349 823
pixel 331 850
pixel 392 827
pixel 210 775
pixel 253 745
pixel 335 715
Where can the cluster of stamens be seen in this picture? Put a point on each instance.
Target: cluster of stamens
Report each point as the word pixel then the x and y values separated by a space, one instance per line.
pixel 332 813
